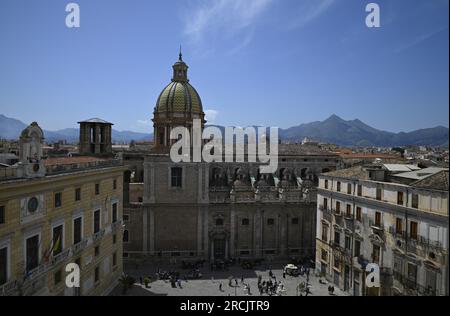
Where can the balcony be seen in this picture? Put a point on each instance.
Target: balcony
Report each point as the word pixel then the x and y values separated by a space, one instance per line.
pixel 327 215
pixel 98 236
pixel 376 226
pixel 349 223
pixel 77 248
pixel 61 257
pixel 8 288
pixel 116 226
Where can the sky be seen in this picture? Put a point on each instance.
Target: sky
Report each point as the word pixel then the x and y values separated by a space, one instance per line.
pixel 254 62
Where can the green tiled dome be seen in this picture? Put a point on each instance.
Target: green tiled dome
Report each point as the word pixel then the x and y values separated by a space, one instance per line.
pixel 179 97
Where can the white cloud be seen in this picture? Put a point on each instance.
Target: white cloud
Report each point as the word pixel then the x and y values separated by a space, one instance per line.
pixel 214 19
pixel 211 115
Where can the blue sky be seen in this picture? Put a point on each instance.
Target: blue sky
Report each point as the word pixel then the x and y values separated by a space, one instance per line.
pixel 269 62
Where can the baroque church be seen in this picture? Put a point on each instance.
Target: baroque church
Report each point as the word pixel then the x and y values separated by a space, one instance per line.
pixel 220 210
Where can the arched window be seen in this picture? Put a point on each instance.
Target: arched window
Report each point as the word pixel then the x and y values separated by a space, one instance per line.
pixel 126 236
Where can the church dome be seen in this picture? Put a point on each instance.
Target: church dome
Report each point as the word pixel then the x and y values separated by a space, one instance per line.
pixel 179 96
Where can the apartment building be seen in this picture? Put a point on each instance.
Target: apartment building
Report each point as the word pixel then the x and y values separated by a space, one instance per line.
pixel 57 211
pixel 391 215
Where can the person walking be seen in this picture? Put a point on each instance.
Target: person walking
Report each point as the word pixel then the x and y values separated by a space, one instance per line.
pixel 220 287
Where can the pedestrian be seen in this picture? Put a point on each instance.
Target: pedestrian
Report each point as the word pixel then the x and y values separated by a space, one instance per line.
pixel 220 287
pixel 284 275
pixel 242 279
pixel 236 282
pixel 140 280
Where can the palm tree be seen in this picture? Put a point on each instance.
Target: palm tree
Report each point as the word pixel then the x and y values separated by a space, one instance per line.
pixel 127 282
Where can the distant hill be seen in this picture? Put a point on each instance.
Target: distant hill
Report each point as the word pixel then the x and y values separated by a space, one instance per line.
pixel 356 133
pixel 11 128
pixel 333 130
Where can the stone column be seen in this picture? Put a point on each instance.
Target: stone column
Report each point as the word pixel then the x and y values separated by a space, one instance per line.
pixel 212 250
pixel 152 234
pixel 232 231
pixel 145 229
pixel 199 231
pixel 205 232
pixel 283 235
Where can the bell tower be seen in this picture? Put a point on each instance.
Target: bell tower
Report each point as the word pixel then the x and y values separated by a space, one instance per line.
pixel 31 164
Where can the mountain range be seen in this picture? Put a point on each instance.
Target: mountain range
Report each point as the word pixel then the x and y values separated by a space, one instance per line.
pixel 333 130
pixel 11 128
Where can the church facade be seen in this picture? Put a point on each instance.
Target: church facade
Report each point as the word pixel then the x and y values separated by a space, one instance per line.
pixel 217 210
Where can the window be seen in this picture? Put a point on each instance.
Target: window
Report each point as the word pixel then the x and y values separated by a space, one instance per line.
pixel 114 212
pixel 114 184
pixel 77 230
pixel 219 222
pixel 3 265
pixel 126 236
pixel 245 222
pixel 114 259
pixel 96 221
pixel 358 214
pixel 412 272
pixel 324 255
pixel 326 184
pixel 97 251
pixel 58 199
pixel 338 207
pixel 97 274
pixel 325 204
pixel 270 221
pixel 295 221
pixel 348 211
pixel 57 239
pixel 376 254
pixel 378 194
pixel 2 214
pixel 377 219
pixel 97 188
pixel 32 252
pixel 415 201
pixel 58 277
pixel 357 248
pixel 399 226
pixel 336 262
pixel 126 217
pixel 176 177
pixel 400 198
pixel 359 190
pixel 77 194
pixel 338 187
pixel 324 233
pixel 348 242
pixel 413 230
pixel 337 238
pixel 349 188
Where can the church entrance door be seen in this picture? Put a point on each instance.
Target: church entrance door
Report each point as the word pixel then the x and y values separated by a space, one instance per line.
pixel 219 249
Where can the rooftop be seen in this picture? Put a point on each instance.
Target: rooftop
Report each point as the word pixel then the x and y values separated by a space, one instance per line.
pixel 96 120
pixel 437 181
pixel 420 174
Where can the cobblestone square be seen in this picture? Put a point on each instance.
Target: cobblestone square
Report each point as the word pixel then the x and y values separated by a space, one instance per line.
pixel 209 284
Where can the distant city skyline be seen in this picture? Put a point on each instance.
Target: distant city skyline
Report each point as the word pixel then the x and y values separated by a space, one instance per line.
pixel 253 62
